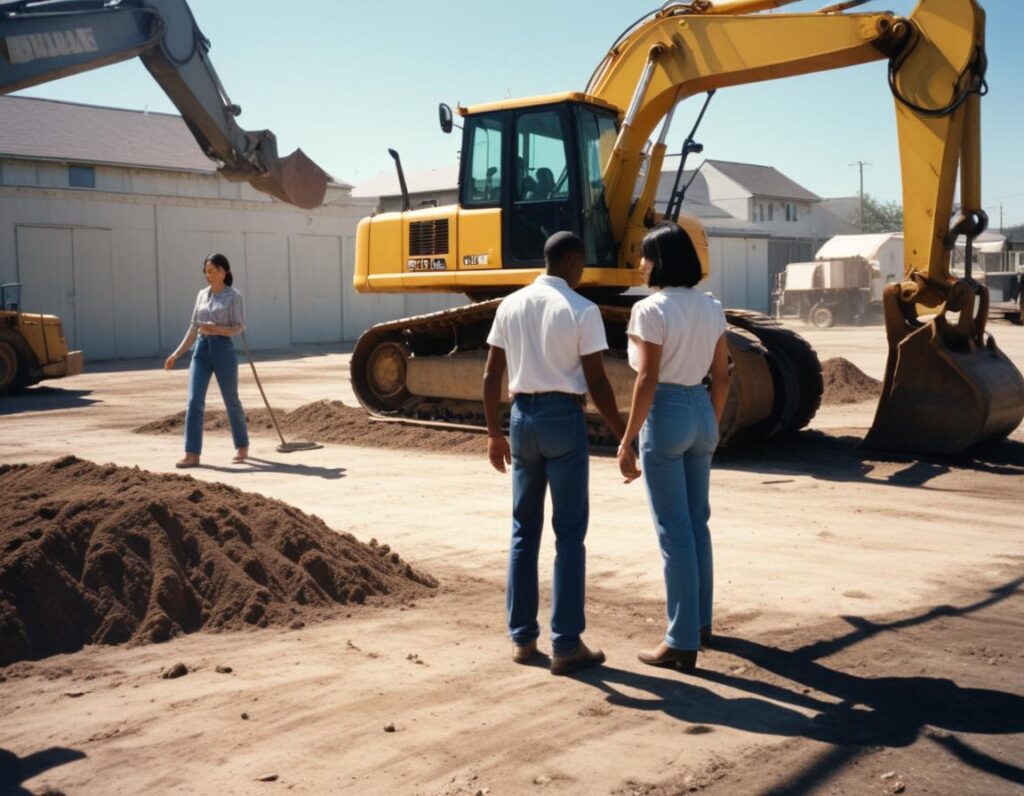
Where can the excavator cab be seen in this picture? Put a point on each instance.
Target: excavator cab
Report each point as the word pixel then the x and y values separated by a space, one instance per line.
pixel 540 165
pixel 529 168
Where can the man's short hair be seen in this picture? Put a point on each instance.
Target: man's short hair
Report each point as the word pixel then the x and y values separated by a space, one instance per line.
pixel 672 255
pixel 560 247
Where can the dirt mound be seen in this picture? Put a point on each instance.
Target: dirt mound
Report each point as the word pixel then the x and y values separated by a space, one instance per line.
pixel 99 554
pixel 333 422
pixel 845 383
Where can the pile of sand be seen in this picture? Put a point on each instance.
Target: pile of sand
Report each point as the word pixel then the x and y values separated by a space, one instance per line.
pixel 333 422
pixel 845 383
pixel 99 554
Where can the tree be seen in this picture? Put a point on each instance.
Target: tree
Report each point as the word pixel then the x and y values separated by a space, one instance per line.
pixel 882 216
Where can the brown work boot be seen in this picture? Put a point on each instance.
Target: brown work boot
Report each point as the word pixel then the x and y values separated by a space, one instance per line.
pixel 579 658
pixel 521 653
pixel 664 655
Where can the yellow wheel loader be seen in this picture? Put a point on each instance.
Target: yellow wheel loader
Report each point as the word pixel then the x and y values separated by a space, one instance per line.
pixel 32 345
pixel 584 161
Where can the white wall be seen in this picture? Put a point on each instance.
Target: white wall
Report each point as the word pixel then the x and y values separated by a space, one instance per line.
pixel 739 272
pixel 122 270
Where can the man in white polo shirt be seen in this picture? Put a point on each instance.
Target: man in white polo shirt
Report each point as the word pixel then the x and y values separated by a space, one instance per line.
pixel 551 339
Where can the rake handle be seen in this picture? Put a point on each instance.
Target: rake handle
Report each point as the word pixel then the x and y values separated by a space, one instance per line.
pixel 248 356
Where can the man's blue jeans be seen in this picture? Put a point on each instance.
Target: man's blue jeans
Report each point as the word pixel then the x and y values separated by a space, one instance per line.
pixel 213 354
pixel 676 444
pixel 549 448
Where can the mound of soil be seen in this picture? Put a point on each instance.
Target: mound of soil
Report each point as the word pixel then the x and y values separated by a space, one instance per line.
pixel 99 554
pixel 845 383
pixel 334 422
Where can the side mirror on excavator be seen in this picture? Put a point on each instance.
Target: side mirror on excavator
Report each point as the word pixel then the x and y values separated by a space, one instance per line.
pixel 444 115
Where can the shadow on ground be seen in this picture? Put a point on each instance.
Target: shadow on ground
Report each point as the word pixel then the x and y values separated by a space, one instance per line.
pixel 790 693
pixel 14 770
pixel 840 458
pixel 44 399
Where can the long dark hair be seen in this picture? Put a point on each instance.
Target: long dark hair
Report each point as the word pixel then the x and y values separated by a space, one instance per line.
pixel 222 263
pixel 673 255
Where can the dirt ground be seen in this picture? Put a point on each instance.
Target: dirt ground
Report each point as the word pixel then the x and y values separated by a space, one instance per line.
pixel 868 610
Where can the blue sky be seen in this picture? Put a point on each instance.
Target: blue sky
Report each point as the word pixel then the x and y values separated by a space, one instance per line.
pixel 346 79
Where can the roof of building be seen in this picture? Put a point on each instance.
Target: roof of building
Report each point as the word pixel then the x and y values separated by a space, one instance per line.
pixel 43 129
pixel 385 183
pixel 763 180
pixel 867 245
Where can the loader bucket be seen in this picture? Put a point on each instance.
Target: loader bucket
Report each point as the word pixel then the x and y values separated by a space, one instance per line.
pixel 294 179
pixel 947 385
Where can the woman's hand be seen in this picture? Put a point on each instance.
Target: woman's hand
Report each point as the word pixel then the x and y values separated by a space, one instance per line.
pixel 169 362
pixel 209 328
pixel 627 463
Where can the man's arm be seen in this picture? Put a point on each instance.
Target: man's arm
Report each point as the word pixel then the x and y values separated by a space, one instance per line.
pixel 498 451
pixel 601 393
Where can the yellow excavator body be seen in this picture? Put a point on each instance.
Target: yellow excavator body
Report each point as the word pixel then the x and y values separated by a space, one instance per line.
pixel 584 161
pixel 32 346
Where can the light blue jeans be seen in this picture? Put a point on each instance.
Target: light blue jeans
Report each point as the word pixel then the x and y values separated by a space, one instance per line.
pixel 549 449
pixel 213 354
pixel 676 444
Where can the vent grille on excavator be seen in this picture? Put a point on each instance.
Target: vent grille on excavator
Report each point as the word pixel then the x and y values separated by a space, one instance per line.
pixel 428 237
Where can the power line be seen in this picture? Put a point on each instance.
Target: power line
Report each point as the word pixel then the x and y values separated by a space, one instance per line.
pixel 860 164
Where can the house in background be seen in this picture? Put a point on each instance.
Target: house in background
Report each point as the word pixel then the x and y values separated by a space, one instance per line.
pixel 106 215
pixel 788 219
pixel 430 188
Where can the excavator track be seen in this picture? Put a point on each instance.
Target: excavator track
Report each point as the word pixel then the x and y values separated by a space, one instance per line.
pixel 427 370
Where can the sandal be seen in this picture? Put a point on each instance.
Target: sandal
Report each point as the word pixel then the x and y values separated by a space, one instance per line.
pixel 240 457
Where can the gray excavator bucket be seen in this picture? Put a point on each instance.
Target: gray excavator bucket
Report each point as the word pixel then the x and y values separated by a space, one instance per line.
pixel 947 385
pixel 294 179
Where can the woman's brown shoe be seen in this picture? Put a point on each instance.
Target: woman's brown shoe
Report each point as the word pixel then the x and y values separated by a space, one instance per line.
pixel 664 655
pixel 190 460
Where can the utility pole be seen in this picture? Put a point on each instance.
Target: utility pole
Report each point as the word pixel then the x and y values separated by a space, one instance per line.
pixel 860 164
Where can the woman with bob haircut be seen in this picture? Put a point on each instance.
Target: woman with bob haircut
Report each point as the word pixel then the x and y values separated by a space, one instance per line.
pixel 218 315
pixel 676 335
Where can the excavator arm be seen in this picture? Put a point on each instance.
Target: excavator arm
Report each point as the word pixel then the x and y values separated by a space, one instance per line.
pixel 946 385
pixel 42 41
pixel 936 64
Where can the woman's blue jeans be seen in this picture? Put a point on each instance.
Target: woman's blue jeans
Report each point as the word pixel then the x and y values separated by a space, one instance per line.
pixel 676 444
pixel 213 354
pixel 549 449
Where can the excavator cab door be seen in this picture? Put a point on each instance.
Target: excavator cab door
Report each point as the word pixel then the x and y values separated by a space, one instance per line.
pixel 540 167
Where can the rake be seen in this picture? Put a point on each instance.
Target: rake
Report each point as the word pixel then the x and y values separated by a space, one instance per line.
pixel 284 447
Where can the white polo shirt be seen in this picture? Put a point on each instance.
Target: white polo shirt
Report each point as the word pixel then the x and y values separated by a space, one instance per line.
pixel 687 323
pixel 544 329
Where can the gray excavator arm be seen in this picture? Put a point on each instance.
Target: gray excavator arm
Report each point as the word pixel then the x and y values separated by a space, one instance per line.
pixel 42 40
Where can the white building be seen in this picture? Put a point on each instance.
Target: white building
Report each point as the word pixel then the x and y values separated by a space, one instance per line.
pixel 106 216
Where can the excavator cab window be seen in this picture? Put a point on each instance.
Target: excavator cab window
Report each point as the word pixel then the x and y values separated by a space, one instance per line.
pixel 481 186
pixel 541 204
pixel 596 132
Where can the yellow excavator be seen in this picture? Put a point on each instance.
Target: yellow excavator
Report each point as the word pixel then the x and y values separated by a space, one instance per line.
pixel 32 345
pixel 584 161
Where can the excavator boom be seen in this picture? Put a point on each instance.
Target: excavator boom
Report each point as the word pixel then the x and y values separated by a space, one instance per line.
pixel 42 41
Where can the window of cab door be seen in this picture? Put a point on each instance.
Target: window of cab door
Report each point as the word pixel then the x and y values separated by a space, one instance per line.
pixel 483 162
pixel 542 179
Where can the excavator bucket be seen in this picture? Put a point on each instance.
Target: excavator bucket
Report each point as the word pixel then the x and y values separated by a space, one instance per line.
pixel 947 385
pixel 294 179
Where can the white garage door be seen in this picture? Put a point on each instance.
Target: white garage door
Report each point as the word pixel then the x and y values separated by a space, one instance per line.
pixel 68 272
pixel 316 288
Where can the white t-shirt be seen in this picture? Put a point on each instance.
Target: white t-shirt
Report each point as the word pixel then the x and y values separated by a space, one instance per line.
pixel 687 323
pixel 544 329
